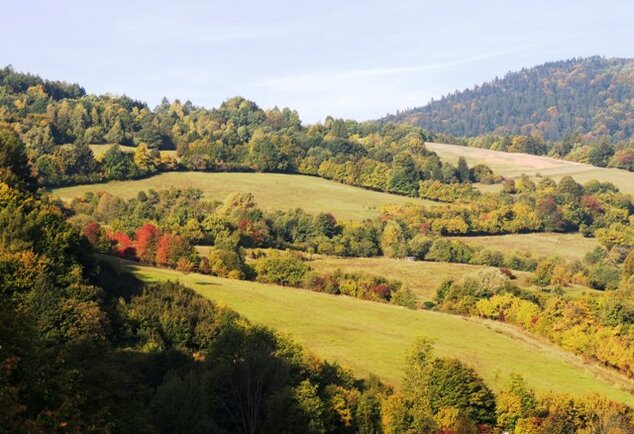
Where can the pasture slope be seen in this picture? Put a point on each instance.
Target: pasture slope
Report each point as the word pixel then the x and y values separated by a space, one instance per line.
pixel 514 164
pixel 271 191
pixel 567 246
pixel 373 337
pixel 422 277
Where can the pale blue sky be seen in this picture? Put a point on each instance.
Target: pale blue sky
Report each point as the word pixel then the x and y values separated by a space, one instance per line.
pixel 353 59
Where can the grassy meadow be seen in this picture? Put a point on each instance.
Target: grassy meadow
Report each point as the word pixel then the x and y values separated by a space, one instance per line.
pixel 371 337
pixel 514 164
pixel 568 246
pixel 422 277
pixel 271 191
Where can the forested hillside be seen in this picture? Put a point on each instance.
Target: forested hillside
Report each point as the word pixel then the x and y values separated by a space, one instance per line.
pixel 58 121
pixel 592 96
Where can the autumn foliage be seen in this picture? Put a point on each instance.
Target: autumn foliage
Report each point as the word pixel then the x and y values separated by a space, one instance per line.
pixel 123 245
pixel 147 239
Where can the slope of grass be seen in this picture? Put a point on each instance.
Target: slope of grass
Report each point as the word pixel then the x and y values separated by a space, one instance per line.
pixel 514 164
pixel 373 337
pixel 422 277
pixel 271 191
pixel 567 246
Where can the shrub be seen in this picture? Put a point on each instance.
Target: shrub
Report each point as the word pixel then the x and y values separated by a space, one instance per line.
pixel 282 268
pixel 404 297
pixel 419 246
pixel 444 250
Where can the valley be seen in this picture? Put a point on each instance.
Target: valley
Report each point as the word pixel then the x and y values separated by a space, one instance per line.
pixel 371 337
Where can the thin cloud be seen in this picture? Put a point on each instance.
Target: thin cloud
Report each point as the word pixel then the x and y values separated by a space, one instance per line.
pixel 314 81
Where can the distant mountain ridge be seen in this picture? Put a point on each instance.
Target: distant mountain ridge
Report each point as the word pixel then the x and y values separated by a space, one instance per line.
pixel 593 96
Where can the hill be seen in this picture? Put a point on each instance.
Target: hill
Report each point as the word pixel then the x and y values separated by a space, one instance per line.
pixel 582 95
pixel 349 331
pixel 512 165
pixel 75 138
pixel 271 191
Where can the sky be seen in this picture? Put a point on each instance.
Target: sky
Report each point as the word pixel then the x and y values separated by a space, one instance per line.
pixel 344 58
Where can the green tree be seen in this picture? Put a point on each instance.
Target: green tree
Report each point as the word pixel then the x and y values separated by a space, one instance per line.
pixel 393 241
pixel 118 164
pixel 405 176
pixel 14 165
pixel 115 135
pixel 462 170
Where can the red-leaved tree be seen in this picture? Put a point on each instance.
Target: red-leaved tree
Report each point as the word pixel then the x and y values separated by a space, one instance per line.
pixel 171 248
pixel 163 249
pixel 123 246
pixel 147 240
pixel 98 237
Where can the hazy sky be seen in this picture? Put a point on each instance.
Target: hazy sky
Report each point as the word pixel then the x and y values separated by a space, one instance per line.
pixel 353 59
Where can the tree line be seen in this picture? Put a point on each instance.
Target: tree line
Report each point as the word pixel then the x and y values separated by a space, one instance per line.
pixel 57 122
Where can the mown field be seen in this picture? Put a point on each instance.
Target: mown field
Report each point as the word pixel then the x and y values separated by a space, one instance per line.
pixel 271 191
pixel 422 277
pixel 514 164
pixel 373 337
pixel 568 246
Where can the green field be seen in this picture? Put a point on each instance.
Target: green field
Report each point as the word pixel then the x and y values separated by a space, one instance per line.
pixel 514 164
pixel 568 246
pixel 373 337
pixel 271 191
pixel 422 277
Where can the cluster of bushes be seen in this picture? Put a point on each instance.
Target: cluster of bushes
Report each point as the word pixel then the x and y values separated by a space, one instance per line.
pixel 598 326
pixel 600 269
pixel 443 249
pixel 435 190
pixel 149 245
pixel 290 268
pixel 238 223
pixel 525 207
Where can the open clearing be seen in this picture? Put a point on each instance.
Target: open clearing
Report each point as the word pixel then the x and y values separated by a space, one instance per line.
pixel 271 191
pixel 373 337
pixel 514 164
pixel 568 246
pixel 422 277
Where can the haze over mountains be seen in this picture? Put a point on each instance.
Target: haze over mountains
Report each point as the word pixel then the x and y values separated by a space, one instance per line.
pixel 592 96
